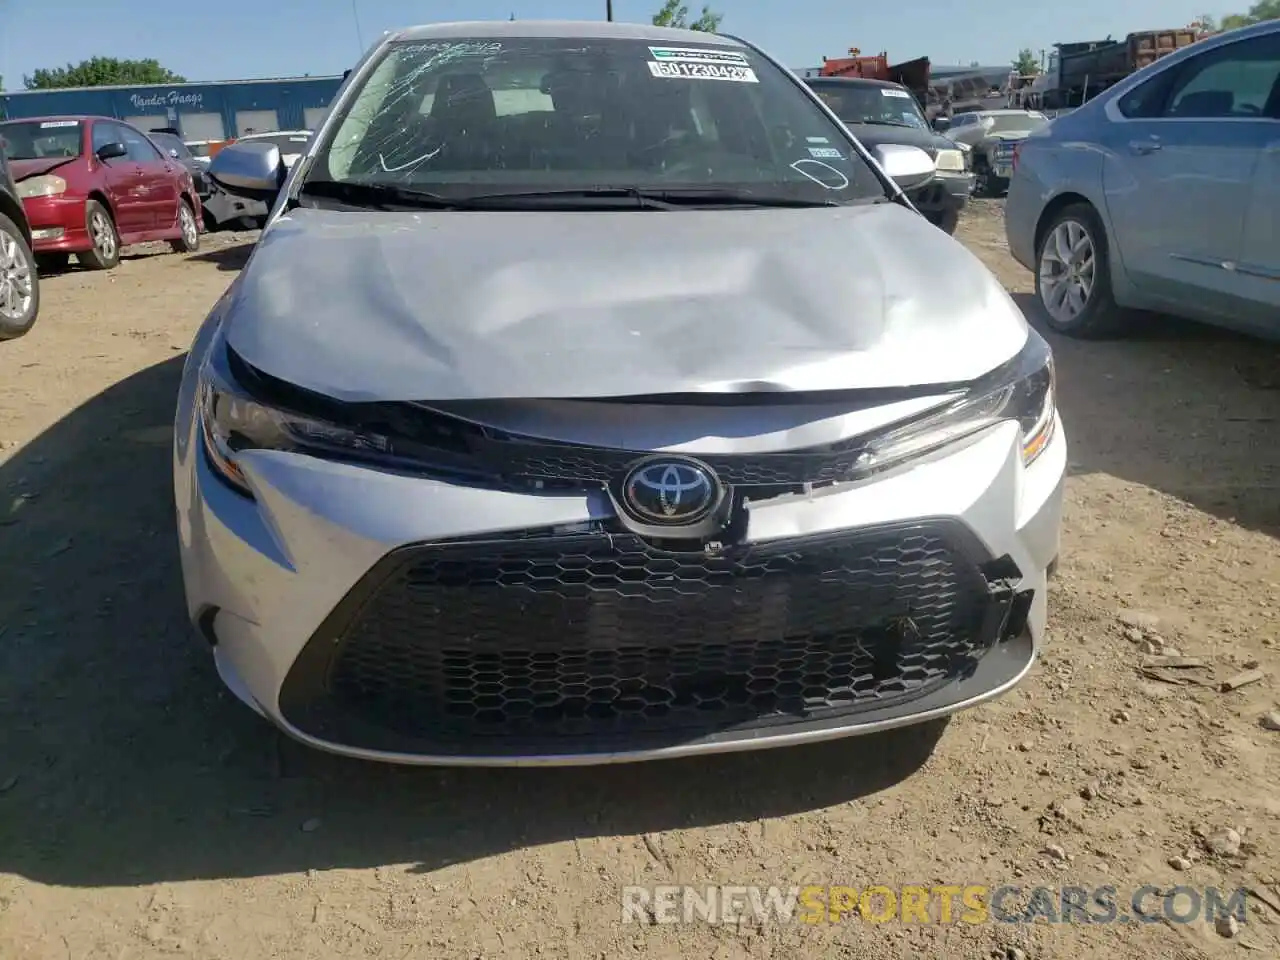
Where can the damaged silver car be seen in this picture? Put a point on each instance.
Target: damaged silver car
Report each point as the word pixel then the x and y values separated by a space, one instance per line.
pixel 593 395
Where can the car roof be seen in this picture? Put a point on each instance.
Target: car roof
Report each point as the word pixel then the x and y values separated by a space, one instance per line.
pixel 856 82
pixel 273 133
pixel 558 29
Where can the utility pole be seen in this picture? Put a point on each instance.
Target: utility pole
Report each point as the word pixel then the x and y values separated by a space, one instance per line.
pixel 608 10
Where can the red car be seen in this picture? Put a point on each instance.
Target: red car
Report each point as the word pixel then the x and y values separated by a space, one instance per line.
pixel 91 185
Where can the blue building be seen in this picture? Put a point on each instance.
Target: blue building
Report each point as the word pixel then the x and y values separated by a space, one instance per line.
pixel 202 111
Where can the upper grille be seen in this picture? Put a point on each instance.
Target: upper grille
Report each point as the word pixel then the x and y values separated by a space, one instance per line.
pixel 605 637
pixel 601 465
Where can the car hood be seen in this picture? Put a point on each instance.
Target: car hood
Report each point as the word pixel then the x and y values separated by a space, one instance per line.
pixel 508 305
pixel 22 169
pixel 874 134
pixel 1006 135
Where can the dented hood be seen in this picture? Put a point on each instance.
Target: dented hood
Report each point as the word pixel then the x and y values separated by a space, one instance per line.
pixel 505 305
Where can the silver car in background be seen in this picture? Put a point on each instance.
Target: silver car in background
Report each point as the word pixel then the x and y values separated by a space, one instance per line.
pixel 1161 194
pixel 592 395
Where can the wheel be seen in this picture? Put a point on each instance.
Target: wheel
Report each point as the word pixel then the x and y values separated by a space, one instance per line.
pixel 189 242
pixel 19 284
pixel 1073 279
pixel 52 262
pixel 106 241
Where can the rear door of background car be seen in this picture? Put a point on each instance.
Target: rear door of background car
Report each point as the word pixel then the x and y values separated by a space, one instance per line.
pixel 1183 152
pixel 121 179
pixel 160 185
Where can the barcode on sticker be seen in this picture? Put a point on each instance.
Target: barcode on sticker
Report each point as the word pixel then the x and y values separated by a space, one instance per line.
pixel 699 55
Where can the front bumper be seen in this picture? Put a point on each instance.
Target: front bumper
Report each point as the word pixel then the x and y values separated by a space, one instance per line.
pixel 390 617
pixel 58 224
pixel 943 198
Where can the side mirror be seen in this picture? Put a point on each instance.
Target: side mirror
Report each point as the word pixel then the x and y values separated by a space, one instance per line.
pixel 941 124
pixel 112 151
pixel 254 171
pixel 908 167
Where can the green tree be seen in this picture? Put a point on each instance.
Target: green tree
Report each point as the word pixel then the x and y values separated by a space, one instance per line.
pixel 676 14
pixel 1260 11
pixel 101 72
pixel 1027 63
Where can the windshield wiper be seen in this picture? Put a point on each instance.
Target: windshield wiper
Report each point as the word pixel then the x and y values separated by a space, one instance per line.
pixel 648 198
pixel 378 196
pixel 890 123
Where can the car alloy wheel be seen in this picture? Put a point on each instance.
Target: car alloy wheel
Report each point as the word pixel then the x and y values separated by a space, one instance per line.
pixel 16 284
pixel 190 234
pixel 1067 266
pixel 104 235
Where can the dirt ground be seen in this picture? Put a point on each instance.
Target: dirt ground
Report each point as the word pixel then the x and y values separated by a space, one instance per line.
pixel 144 813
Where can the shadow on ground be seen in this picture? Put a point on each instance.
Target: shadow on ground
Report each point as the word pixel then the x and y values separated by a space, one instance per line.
pixel 1182 408
pixel 231 258
pixel 133 767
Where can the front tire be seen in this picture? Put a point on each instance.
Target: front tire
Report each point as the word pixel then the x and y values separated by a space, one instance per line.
pixel 1073 275
pixel 19 283
pixel 189 241
pixel 102 232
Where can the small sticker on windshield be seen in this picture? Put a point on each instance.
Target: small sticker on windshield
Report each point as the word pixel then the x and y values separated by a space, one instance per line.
pixel 816 140
pixel 51 124
pixel 698 55
pixel 891 92
pixel 825 153
pixel 702 71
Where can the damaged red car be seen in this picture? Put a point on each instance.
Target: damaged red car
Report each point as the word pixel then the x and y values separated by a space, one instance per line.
pixel 91 185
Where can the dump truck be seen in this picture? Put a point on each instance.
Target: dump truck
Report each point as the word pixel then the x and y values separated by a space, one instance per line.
pixel 912 74
pixel 1080 71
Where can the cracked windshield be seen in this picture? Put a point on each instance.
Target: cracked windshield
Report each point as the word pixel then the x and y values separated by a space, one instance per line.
pixel 480 117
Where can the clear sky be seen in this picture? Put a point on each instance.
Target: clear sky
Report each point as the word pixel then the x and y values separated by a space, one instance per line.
pixel 240 39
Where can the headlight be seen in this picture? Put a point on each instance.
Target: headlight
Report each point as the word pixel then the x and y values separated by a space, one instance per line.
pixel 1021 390
pixel 46 185
pixel 951 161
pixel 232 422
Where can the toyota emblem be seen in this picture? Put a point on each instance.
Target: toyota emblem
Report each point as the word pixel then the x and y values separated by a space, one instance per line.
pixel 670 490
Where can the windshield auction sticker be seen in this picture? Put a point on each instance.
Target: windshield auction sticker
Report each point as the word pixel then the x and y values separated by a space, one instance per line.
pixel 701 63
pixel 703 71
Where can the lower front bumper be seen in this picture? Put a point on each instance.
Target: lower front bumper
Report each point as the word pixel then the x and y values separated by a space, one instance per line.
pixel 997 673
pixel 58 224
pixel 944 198
pixel 266 579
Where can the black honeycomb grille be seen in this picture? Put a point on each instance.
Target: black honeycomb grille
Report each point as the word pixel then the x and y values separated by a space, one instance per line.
pixel 606 637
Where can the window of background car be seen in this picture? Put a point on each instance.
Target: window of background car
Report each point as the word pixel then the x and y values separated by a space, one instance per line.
pixel 1241 79
pixel 167 142
pixel 37 139
pixel 141 150
pixel 865 103
pixel 1147 100
pixel 542 113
